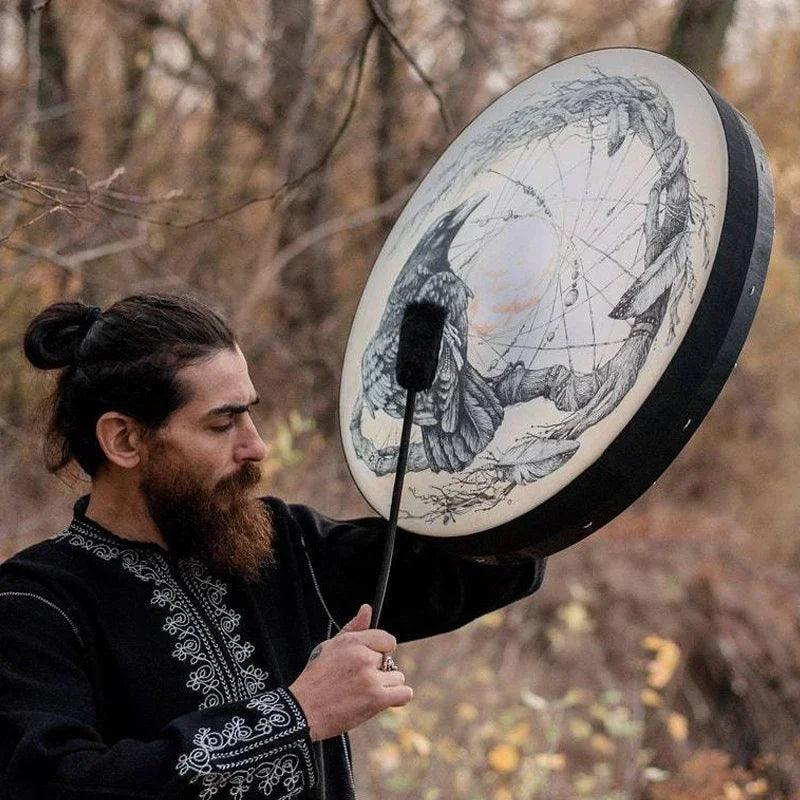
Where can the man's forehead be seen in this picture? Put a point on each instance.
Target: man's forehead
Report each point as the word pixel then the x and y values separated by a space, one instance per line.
pixel 219 380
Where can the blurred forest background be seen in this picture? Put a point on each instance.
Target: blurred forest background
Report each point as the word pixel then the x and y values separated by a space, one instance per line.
pixel 256 153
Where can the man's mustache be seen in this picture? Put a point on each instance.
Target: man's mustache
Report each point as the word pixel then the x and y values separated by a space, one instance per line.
pixel 247 477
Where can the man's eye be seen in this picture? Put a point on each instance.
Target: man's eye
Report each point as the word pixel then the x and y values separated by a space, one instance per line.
pixel 225 428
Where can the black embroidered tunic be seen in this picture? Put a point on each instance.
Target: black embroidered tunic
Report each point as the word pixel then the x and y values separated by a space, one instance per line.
pixel 128 672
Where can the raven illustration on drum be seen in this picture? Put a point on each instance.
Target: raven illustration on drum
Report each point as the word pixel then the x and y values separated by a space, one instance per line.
pixel 570 231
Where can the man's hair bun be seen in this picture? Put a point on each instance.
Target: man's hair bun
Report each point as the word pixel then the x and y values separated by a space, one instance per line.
pixel 125 359
pixel 53 336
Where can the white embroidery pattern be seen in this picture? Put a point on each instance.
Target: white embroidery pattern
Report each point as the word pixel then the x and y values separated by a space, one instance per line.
pixel 245 752
pixel 218 678
pixel 244 758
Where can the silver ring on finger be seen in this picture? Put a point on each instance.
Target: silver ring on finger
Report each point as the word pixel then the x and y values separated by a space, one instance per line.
pixel 388 664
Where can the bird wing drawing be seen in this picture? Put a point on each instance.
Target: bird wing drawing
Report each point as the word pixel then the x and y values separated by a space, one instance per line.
pixel 460 414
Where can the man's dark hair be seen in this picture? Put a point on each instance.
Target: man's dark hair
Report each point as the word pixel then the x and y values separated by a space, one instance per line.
pixel 125 359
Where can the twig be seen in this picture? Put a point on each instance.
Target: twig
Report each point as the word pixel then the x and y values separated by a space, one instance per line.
pixel 294 183
pixel 268 274
pixel 380 17
pixel 28 135
pixel 322 160
pixel 73 261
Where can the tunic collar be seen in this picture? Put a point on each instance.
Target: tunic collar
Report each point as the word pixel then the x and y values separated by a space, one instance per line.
pixel 81 521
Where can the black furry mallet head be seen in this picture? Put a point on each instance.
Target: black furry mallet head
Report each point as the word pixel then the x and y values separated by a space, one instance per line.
pixel 418 349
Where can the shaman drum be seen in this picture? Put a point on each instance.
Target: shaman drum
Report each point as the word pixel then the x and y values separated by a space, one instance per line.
pixel 600 236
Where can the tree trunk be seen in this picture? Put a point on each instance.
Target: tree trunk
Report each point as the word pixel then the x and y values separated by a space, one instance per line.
pixel 58 137
pixel 387 108
pixel 698 35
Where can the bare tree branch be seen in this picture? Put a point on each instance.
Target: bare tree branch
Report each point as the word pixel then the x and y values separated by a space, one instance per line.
pixel 28 134
pixel 379 16
pixel 267 276
pixel 72 262
pixel 229 93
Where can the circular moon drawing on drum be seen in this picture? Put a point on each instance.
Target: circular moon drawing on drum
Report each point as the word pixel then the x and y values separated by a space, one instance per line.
pixel 569 232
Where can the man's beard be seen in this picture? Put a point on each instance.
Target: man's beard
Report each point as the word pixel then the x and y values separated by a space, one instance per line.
pixel 222 526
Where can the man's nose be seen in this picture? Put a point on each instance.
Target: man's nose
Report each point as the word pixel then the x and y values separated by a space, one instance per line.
pixel 252 448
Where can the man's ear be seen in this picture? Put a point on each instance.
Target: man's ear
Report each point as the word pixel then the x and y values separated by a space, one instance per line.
pixel 120 437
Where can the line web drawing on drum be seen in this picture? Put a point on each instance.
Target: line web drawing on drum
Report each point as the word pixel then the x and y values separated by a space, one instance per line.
pixel 596 174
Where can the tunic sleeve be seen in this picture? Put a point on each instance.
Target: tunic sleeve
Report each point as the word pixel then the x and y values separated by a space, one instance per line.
pixel 430 591
pixel 50 746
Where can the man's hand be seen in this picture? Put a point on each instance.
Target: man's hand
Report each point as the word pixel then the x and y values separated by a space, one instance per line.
pixel 344 685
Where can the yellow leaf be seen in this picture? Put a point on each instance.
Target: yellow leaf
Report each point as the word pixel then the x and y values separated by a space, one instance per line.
pixel 502 794
pixel 580 728
pixel 519 734
pixel 550 761
pixel 575 616
pixel 504 758
pixel 758 786
pixel 386 756
pixel 584 783
pixel 400 712
pixel 662 667
pixel 448 750
pixel 732 791
pixel 414 741
pixel 484 675
pixel 574 697
pixel 652 642
pixel 466 711
pixel 678 726
pixel 494 619
pixel 650 697
pixel 602 744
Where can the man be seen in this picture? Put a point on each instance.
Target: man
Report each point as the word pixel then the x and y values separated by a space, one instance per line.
pixel 179 638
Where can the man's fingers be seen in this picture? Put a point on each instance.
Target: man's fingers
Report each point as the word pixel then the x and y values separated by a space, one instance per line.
pixel 399 695
pixel 393 678
pixel 376 639
pixel 360 621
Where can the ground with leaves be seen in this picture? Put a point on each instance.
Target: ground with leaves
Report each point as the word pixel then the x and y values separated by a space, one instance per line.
pixel 649 666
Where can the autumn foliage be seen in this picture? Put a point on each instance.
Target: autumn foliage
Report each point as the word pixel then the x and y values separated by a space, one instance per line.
pixel 256 154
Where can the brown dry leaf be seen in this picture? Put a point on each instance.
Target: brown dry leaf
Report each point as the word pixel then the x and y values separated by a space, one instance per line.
pixel 466 711
pixel 602 744
pixel 504 758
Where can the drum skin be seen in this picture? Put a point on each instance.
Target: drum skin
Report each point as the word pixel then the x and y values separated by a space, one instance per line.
pixel 557 447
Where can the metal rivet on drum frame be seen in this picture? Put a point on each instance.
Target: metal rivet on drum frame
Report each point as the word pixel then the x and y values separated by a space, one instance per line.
pixel 688 423
pixel 588 525
pixel 752 290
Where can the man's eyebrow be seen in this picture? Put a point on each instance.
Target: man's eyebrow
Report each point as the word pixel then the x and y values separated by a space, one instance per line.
pixel 232 408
